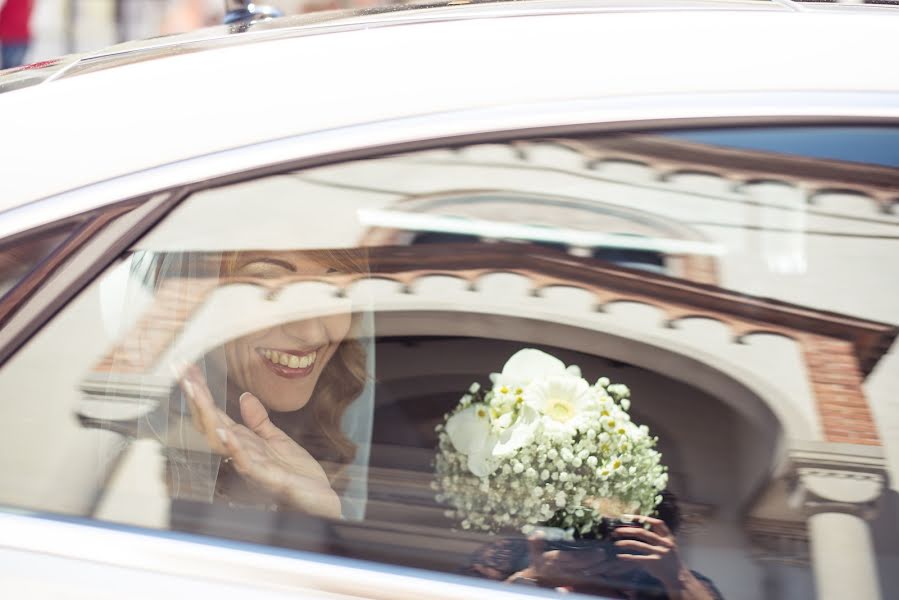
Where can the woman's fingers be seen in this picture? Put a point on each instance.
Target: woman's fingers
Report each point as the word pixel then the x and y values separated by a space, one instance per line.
pixel 206 416
pixel 244 457
pixel 256 418
pixel 180 374
pixel 234 449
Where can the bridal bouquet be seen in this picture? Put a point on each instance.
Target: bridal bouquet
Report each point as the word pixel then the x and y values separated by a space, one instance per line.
pixel 544 447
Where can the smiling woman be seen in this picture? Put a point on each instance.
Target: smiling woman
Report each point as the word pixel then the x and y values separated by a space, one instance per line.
pixel 281 404
pixel 305 372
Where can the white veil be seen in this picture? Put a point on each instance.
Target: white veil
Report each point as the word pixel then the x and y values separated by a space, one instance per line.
pixel 172 308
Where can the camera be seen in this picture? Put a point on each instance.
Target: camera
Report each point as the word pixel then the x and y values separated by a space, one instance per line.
pixel 599 538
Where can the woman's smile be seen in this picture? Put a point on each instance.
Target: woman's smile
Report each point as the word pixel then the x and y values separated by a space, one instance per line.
pixel 291 364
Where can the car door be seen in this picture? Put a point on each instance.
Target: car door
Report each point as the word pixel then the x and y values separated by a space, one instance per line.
pixel 734 279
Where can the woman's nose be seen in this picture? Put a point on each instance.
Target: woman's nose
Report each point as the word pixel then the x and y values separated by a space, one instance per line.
pixel 308 332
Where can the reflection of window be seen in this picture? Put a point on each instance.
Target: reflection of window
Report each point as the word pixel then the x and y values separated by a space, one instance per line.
pixel 552 246
pixel 626 257
pixel 620 234
pixel 435 237
pixel 634 259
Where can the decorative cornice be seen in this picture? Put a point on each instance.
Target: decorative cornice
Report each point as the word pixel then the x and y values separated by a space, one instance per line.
pixel 544 268
pixel 670 156
pixel 610 283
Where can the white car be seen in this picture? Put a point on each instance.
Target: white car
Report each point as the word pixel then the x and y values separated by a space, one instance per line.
pixel 355 216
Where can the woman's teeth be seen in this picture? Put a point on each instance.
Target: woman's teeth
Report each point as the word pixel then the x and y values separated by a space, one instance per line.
pixel 291 361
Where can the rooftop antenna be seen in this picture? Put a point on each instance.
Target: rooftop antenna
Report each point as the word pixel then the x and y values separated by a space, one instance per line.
pixel 247 11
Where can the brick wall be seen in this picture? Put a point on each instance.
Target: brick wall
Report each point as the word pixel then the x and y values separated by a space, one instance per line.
pixel 837 384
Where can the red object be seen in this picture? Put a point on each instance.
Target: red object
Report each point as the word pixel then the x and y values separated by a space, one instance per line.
pixel 14 16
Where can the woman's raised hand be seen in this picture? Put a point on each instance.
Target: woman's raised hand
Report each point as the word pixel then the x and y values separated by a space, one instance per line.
pixel 260 451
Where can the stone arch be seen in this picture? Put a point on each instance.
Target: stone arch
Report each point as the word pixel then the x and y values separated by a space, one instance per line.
pixel 819 197
pixel 748 181
pixel 890 207
pixel 598 163
pixel 745 336
pixel 762 407
pixel 567 295
pixel 688 324
pixel 677 172
pixel 506 279
pixel 633 309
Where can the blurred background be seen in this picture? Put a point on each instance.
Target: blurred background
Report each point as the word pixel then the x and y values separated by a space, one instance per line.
pixel 36 30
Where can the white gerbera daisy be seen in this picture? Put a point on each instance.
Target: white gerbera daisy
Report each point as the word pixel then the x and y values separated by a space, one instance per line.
pixel 564 404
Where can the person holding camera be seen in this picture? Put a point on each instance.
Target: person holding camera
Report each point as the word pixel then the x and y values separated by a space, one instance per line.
pixel 639 560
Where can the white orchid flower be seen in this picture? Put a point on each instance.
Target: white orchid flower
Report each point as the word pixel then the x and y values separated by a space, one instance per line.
pixel 519 434
pixel 470 432
pixel 525 366
pixel 503 421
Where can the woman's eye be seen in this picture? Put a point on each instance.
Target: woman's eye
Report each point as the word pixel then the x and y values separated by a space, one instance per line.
pixel 332 270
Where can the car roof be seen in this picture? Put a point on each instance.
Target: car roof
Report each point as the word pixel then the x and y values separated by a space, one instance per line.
pixel 166 100
pixel 315 23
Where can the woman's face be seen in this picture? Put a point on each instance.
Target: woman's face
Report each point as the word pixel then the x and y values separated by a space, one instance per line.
pixel 282 364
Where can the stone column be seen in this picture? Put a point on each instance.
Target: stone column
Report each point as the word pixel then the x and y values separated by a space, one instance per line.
pixel 838 487
pixel 843 556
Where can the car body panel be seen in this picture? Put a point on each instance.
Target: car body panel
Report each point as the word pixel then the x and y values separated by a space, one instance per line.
pixel 618 113
pixel 200 103
pixel 107 561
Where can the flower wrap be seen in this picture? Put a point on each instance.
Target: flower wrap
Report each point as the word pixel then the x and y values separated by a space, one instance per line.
pixel 543 446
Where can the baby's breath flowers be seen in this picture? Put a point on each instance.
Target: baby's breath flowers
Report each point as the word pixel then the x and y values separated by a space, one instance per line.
pixel 544 447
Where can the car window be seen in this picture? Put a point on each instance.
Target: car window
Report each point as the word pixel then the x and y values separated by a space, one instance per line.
pixel 655 364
